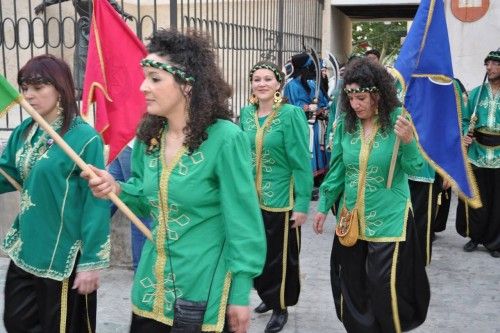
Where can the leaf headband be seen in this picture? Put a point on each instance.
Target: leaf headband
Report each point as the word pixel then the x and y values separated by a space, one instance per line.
pixel 276 72
pixel 168 68
pixel 360 90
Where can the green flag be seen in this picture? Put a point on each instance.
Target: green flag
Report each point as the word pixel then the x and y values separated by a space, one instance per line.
pixel 8 95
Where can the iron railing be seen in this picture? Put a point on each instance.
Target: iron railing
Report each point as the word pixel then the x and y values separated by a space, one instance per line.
pixel 242 31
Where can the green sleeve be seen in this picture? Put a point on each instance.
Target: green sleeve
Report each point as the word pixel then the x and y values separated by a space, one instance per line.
pixel 132 190
pixel 409 155
pixel 245 238
pixel 296 146
pixel 333 184
pixel 463 107
pixel 331 118
pixel 243 115
pixel 95 250
pixel 468 110
pixel 8 162
pixel 410 158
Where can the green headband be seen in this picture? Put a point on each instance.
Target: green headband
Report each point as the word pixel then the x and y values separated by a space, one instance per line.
pixel 276 72
pixel 360 90
pixel 171 69
pixel 493 55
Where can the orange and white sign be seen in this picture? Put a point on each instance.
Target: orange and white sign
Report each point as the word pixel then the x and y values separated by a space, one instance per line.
pixel 469 10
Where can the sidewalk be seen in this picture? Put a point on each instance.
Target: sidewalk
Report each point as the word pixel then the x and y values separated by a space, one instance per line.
pixel 465 290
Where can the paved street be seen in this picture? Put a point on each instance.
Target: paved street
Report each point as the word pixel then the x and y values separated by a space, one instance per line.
pixel 465 290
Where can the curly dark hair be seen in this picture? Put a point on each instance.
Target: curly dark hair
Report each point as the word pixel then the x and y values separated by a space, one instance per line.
pixel 208 100
pixel 367 74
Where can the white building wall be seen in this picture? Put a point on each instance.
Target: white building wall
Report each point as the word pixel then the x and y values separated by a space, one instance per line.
pixel 337 33
pixel 470 42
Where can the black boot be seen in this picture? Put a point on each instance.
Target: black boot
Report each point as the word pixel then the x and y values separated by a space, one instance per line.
pixel 262 308
pixel 495 253
pixel 277 321
pixel 470 246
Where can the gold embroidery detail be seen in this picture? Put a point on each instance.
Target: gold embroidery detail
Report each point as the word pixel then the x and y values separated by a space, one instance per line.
pixel 197 157
pixel 394 295
pixel 219 326
pixel 364 155
pixel 259 145
pixel 11 236
pixel 64 305
pixel 284 261
pixel 273 209
pixel 183 169
pixel 153 162
pixel 171 293
pixel 163 217
pixel 428 231
pixel 71 258
pixel 401 238
pixel 371 224
pixel 182 220
pixel 89 327
pixel 25 202
pixel 29 154
pixel 158 316
pixel 105 251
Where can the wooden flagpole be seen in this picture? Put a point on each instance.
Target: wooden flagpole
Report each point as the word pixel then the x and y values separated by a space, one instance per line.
pixel 11 180
pixel 78 160
pixel 395 149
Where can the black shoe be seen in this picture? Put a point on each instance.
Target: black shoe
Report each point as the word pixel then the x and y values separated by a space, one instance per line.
pixel 262 308
pixel 495 254
pixel 277 321
pixel 470 246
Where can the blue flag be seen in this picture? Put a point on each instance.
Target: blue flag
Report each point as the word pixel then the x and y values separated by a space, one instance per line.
pixel 433 100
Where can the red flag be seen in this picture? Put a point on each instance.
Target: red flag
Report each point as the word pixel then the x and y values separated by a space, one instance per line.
pixel 113 76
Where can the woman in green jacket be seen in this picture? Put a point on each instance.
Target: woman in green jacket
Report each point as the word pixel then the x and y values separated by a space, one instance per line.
pixel 379 284
pixel 279 137
pixel 191 171
pixel 60 239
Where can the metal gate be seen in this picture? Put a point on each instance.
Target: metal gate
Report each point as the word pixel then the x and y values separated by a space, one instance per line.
pixel 242 31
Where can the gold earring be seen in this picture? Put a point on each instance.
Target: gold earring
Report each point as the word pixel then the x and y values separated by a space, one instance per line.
pixel 277 98
pixel 59 108
pixel 253 100
pixel 376 111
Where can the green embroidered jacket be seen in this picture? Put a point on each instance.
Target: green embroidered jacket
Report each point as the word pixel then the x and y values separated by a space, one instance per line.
pixel 382 212
pixel 281 157
pixel 208 233
pixel 59 217
pixel 488 121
